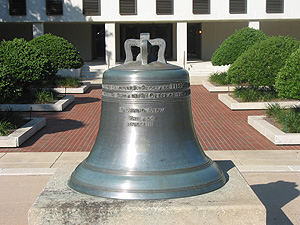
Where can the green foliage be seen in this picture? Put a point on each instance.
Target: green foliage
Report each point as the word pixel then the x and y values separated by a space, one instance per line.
pixel 62 53
pixel 5 126
pixel 259 65
pixel 219 78
pixel 235 45
pixel 10 120
pixel 253 94
pixel 44 96
pixel 9 87
pixel 288 79
pixel 21 67
pixel 67 82
pixel 289 119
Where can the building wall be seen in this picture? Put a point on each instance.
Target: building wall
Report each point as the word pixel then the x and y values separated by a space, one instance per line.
pixel 146 12
pixel 216 26
pixel 284 28
pixel 214 33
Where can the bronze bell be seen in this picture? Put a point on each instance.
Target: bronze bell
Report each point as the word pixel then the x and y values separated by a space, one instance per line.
pixel 146 147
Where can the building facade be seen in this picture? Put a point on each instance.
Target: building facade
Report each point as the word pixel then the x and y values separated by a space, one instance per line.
pixel 192 29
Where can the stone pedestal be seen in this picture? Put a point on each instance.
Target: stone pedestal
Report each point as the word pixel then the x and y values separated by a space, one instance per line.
pixel 234 203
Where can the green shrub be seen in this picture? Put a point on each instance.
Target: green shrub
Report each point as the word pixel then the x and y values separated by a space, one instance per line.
pixel 22 66
pixel 289 119
pixel 10 120
pixel 259 65
pixel 62 53
pixel 5 126
pixel 71 82
pixel 253 94
pixel 235 45
pixel 288 79
pixel 219 78
pixel 45 96
pixel 9 88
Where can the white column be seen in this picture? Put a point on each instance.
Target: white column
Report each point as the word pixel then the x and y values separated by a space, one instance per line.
pixel 254 24
pixel 37 29
pixel 182 43
pixel 110 44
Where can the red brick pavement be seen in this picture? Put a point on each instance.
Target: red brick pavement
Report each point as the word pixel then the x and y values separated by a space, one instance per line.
pixel 217 127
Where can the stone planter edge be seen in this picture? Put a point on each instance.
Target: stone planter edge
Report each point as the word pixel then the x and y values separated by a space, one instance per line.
pixel 20 135
pixel 212 88
pixel 79 90
pixel 235 105
pixel 58 106
pixel 271 132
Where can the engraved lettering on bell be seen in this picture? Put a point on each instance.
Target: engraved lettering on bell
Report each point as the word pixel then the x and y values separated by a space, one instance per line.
pixel 146 95
pixel 144 87
pixel 141 110
pixel 146 146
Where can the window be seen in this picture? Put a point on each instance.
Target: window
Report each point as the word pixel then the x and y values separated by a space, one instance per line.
pixel 201 6
pixel 238 7
pixel 17 7
pixel 127 7
pixel 274 6
pixel 164 7
pixel 91 7
pixel 54 7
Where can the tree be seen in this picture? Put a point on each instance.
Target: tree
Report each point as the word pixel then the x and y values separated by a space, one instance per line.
pixel 259 65
pixel 21 66
pixel 62 53
pixel 235 45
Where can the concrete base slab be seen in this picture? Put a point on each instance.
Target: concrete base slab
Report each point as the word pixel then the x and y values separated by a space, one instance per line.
pixel 234 203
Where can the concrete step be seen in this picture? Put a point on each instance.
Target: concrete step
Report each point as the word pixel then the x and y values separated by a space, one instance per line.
pixel 96 69
pixel 93 70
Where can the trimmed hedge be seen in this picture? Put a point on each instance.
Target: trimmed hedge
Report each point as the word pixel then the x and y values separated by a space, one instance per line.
pixel 259 65
pixel 21 67
pixel 62 53
pixel 235 45
pixel 288 79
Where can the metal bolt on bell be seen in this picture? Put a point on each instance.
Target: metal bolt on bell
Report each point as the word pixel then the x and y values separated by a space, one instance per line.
pixel 146 146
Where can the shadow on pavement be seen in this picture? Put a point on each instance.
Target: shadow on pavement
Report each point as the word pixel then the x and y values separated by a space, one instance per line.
pixel 225 166
pixel 54 126
pixel 274 196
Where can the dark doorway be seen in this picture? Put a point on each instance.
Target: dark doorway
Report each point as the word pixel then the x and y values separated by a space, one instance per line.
pixel 164 31
pixel 99 41
pixel 194 41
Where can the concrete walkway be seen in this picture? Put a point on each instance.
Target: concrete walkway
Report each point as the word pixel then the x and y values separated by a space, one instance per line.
pixel 273 175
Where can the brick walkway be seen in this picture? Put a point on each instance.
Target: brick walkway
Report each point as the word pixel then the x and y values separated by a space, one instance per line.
pixel 217 127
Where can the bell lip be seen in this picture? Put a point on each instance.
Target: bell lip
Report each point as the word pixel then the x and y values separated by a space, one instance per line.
pixel 216 180
pixel 155 195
